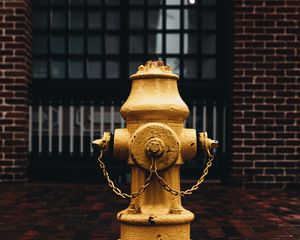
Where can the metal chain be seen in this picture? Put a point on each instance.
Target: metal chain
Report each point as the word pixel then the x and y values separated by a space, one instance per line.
pixel 152 170
pixel 189 191
pixel 117 190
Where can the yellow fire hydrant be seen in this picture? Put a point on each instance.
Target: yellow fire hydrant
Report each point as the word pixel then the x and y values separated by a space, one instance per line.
pixel 155 144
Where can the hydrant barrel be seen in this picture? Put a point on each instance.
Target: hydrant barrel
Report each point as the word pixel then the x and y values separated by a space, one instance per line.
pixel 155 113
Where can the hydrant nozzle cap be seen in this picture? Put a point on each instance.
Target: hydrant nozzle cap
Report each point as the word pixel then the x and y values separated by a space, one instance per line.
pixel 154 69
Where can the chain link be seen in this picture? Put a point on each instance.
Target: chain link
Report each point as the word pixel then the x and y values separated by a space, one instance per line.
pixel 152 170
pixel 117 190
pixel 189 191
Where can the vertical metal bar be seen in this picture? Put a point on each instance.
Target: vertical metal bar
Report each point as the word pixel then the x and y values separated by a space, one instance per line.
pixel 92 125
pixel 122 122
pixel 112 117
pixel 30 129
pixel 128 178
pixel 101 119
pixel 50 127
pixel 71 124
pixel 40 128
pixel 215 121
pixel 60 128
pixel 194 121
pixel 224 129
pixel 204 117
pixel 81 127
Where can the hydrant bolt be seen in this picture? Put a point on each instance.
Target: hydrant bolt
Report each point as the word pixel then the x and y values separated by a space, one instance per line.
pixel 154 147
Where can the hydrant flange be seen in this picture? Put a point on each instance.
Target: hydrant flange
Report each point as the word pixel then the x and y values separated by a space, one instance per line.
pixel 154 140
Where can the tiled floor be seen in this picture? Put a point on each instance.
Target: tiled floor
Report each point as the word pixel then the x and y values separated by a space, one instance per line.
pixel 87 211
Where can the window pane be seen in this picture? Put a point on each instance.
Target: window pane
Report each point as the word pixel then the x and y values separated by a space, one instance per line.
pixel 172 2
pixel 208 2
pixel 76 69
pixel 94 45
pixel 40 2
pixel 155 19
pixel 58 44
pixel 40 19
pixel 208 68
pixel 190 19
pixel 76 20
pixel 208 19
pixel 112 44
pixel 173 19
pixel 136 44
pixel 58 69
pixel 190 68
pixel 94 69
pixel 76 45
pixel 39 68
pixel 59 2
pixel 172 43
pixel 39 45
pixel 174 63
pixel 155 43
pixel 134 64
pixel 155 2
pixel 190 43
pixel 112 20
pixel 95 20
pixel 136 19
pixel 76 2
pixel 209 44
pixel 94 2
pixel 112 2
pixel 58 19
pixel 191 2
pixel 137 2
pixel 112 69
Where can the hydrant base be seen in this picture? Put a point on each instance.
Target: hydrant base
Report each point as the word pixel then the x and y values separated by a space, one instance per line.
pixel 162 232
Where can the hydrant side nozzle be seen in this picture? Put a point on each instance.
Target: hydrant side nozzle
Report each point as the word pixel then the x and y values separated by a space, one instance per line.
pixel 103 143
pixel 207 143
pixel 97 144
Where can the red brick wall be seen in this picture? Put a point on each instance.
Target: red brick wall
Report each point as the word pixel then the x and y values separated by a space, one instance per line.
pixel 15 70
pixel 265 148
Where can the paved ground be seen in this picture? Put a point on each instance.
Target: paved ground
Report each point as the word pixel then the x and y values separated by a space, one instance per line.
pixel 87 211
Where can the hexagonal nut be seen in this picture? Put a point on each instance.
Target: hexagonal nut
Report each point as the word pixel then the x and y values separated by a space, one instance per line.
pixel 154 147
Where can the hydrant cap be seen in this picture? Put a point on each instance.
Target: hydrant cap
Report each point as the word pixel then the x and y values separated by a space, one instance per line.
pixel 154 69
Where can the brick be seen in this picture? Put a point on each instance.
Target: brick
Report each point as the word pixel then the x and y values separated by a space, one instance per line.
pixel 274 171
pixel 295 171
pixel 266 81
pixel 254 156
pixel 264 178
pixel 264 164
pixel 15 68
pixel 276 142
pixel 285 164
pixel 285 178
pixel 264 150
pixel 274 185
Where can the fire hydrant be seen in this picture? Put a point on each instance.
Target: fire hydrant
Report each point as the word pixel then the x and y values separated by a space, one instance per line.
pixel 155 144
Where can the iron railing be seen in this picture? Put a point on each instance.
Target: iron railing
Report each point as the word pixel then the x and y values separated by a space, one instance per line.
pixel 58 128
pixel 60 137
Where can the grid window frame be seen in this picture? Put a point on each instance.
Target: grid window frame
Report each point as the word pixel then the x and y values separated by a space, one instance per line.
pixel 186 37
